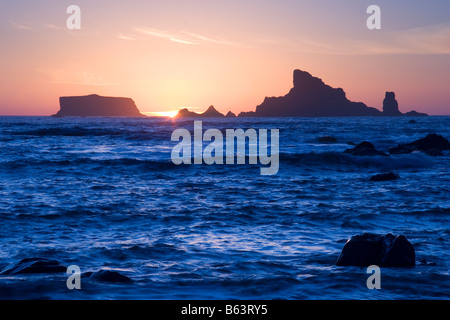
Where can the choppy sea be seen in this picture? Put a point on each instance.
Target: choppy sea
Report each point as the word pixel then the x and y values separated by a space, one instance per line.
pixel 103 193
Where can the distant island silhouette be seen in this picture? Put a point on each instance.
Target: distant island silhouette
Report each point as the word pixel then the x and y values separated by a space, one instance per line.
pixel 311 97
pixel 97 106
pixel 211 112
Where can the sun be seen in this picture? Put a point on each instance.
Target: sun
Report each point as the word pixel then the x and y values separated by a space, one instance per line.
pixel 169 114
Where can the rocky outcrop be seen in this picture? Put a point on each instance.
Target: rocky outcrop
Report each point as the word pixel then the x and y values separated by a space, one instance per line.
pixel 108 276
pixel 389 176
pixel 97 106
pixel 390 105
pixel 415 114
pixel 211 112
pixel 381 250
pixel 433 144
pixel 365 148
pixel 311 97
pixel 33 265
pixel 230 115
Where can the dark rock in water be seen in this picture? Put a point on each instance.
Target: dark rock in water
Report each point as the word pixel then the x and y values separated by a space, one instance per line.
pixel 365 149
pixel 433 144
pixel 327 139
pixel 230 115
pixel 109 276
pixel 412 121
pixel 381 250
pixel 390 105
pixel 385 177
pixel 211 112
pixel 33 265
pixel 97 106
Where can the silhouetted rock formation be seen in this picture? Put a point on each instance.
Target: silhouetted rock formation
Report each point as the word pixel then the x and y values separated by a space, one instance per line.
pixel 365 149
pixel 381 250
pixel 230 115
pixel 33 265
pixel 310 97
pixel 97 106
pixel 211 112
pixel 415 114
pixel 390 105
pixel 433 144
pixel 385 177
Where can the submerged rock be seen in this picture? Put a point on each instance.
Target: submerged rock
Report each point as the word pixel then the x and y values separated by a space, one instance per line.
pixel 109 276
pixel 33 265
pixel 433 145
pixel 385 177
pixel 327 139
pixel 381 250
pixel 365 149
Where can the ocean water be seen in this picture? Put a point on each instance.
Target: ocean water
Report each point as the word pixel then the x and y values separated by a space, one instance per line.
pixel 102 193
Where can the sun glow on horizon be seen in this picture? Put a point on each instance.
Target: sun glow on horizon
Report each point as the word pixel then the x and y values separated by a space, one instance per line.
pixel 169 114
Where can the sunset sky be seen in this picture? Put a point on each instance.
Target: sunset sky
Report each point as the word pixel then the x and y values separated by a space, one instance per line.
pixel 168 55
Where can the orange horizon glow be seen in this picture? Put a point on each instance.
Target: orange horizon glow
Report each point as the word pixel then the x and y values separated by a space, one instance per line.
pixel 229 54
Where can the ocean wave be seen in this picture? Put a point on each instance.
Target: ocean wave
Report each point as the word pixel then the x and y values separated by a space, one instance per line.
pixel 76 162
pixel 69 132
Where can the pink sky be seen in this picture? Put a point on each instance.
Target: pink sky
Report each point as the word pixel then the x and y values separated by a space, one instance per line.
pixel 168 55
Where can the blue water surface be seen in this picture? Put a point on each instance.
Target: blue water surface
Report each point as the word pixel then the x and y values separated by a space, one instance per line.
pixel 103 193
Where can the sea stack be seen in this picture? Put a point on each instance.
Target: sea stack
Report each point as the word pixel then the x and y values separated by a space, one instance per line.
pixel 390 105
pixel 97 106
pixel 311 97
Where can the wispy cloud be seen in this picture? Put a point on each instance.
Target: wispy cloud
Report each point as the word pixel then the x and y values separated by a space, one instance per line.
pixel 19 26
pixel 76 77
pixel 207 39
pixel 182 37
pixel 164 35
pixel 125 37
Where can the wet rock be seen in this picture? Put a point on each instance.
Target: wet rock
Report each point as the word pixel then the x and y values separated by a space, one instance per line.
pixel 385 177
pixel 381 250
pixel 365 149
pixel 109 276
pixel 33 265
pixel 433 145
